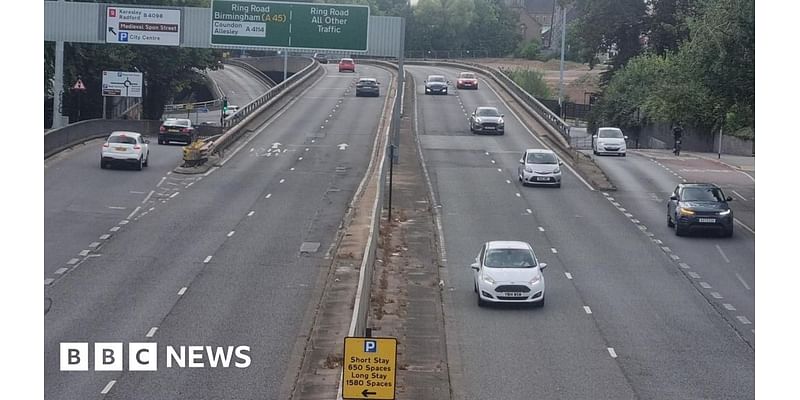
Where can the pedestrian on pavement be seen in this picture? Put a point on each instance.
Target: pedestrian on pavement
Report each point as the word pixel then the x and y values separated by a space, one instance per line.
pixel 677 133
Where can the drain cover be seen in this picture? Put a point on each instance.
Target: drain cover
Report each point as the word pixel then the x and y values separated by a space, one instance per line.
pixel 309 247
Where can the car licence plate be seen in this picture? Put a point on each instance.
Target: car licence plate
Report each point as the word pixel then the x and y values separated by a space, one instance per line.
pixel 514 294
pixel 120 148
pixel 542 178
pixel 707 220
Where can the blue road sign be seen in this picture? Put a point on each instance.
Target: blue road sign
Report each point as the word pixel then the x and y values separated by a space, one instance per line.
pixel 123 36
pixel 370 346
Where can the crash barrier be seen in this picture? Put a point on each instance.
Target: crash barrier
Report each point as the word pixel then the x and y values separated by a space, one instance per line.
pixel 264 106
pixel 59 139
pixel 211 105
pixel 264 78
pixel 547 117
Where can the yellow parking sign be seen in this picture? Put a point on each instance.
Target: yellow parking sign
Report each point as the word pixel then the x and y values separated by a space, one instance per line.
pixel 370 366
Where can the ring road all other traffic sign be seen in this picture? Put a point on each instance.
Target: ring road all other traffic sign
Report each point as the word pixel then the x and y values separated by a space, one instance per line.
pixel 370 366
pixel 270 24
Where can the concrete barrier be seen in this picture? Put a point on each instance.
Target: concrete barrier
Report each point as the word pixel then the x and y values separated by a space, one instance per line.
pixel 57 140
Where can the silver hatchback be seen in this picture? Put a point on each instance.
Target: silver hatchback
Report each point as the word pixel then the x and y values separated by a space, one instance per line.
pixel 541 167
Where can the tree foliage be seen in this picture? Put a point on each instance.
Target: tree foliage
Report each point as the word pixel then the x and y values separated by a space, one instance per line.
pixel 707 82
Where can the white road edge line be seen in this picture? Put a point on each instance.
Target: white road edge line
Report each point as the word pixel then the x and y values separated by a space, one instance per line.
pixel 148 196
pixel 174 194
pixel 737 193
pixel 753 231
pixel 135 210
pixel 163 178
pixel 742 280
pixel 537 139
pixel 108 387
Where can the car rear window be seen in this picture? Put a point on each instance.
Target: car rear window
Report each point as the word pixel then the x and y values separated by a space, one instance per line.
pixel 122 139
pixel 436 79
pixel 178 122
pixel 467 75
pixel 702 194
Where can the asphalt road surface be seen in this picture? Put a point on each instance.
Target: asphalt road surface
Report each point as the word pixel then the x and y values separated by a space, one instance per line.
pixel 623 318
pixel 208 260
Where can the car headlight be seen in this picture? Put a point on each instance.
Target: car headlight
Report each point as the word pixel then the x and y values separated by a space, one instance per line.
pixel 501 122
pixel 488 279
pixel 726 212
pixel 535 280
pixel 478 120
pixel 685 211
pixel 557 170
pixel 529 170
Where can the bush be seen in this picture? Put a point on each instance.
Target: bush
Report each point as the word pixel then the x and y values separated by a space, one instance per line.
pixel 528 50
pixel 530 80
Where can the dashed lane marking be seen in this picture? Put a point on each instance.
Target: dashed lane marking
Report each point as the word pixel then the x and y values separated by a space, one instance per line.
pixel 94 245
pixel 746 286
pixel 207 259
pixel 553 249
pixel 518 195
pixel 684 265
pixel 84 253
pixel 73 261
pixel 722 253
pixel 231 233
pixel 729 307
pixel 250 214
pixel 529 211
pixel 612 352
pixel 135 210
pixel 694 275
pixel 282 180
pixel 182 291
pixel 587 309
pixel 666 249
pixel 61 270
pixel 743 319
pixel 541 229
pixel 108 387
pixel 569 276
pixel 114 229
pixel 104 236
pixel 705 285
pixel 174 194
pixel 48 281
pixel 268 196
pixel 716 295
pixel 151 332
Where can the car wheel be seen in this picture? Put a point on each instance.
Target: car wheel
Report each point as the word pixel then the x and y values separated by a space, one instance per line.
pixel 728 233
pixel 624 154
pixel 669 222
pixel 147 160
pixel 102 165
pixel 594 151
pixel 139 165
pixel 481 302
pixel 678 230
pixel 475 287
pixel 558 185
pixel 541 303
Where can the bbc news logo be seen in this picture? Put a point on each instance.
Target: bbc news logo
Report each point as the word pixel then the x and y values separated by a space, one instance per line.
pixel 144 357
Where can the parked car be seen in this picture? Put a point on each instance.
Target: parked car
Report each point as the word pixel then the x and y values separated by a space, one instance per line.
pixel 347 64
pixel 467 80
pixel 487 120
pixel 508 272
pixel 368 87
pixel 541 167
pixel 123 147
pixel 699 207
pixel 609 141
pixel 436 84
pixel 176 129
pixel 321 58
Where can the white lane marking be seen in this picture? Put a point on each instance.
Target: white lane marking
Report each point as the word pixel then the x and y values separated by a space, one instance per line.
pixel 641 227
pixel 635 221
pixel 182 291
pixel 163 178
pixel 622 209
pixel 612 352
pixel 151 332
pixel 650 234
pixel 742 280
pixel 250 214
pixel 299 158
pixel 615 204
pixel 587 309
pixel 268 196
pixel 716 295
pixel 499 170
pixel 48 281
pixel 508 181
pixel 486 152
pixel 666 249
pixel 174 194
pixel 605 194
pixel 207 260
pixel 658 241
pixel 73 261
pixel 729 307
pixel 529 211
pixel 705 285
pixel 61 270
pixel 104 236
pixel 307 149
pixel 541 229
pixel 724 257
pixel 108 387
pixel 190 184
pixel 518 195
pixel 124 222
pixel 684 265
pixel 148 196
pixel 169 172
pixel 553 249
pixel 94 245
pixel 291 169
pixel 135 192
pixel 569 276
pixel 694 275
pixel 740 196
pixel 674 257
pixel 629 215
pixel 151 209
pixel 231 233
pixel 610 198
pixel 114 229
pixel 251 149
pixel 494 162
pixel 753 231
pixel 743 319
pixel 282 180
pixel 84 253
pixel 116 207
pixel 135 210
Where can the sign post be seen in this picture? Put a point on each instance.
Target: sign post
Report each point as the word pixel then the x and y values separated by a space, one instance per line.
pixel 267 24
pixel 369 368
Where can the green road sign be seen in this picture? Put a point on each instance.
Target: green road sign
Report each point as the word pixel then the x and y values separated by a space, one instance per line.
pixel 290 25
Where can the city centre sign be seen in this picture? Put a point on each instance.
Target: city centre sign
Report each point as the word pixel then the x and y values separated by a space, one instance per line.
pixel 267 24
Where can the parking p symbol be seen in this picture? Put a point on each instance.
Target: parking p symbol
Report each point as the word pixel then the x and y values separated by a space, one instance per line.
pixel 370 346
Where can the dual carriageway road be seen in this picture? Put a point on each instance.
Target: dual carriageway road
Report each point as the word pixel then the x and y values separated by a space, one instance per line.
pixel 219 262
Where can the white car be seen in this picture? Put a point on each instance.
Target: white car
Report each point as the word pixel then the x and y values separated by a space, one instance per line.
pixel 231 110
pixel 541 167
pixel 124 147
pixel 609 141
pixel 508 272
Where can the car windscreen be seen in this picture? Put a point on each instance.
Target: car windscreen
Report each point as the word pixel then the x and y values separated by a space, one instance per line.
pixel 122 139
pixel 436 79
pixel 702 194
pixel 487 112
pixel 542 158
pixel 609 133
pixel 509 258
pixel 367 82
pixel 467 76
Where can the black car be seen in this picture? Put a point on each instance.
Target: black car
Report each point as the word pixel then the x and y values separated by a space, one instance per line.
pixel 436 84
pixel 699 207
pixel 368 87
pixel 321 58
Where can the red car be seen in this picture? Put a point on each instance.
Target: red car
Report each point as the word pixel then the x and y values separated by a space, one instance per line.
pixel 467 80
pixel 347 64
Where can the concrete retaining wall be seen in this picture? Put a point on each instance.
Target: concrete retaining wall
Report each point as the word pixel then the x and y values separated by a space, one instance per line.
pixel 659 136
